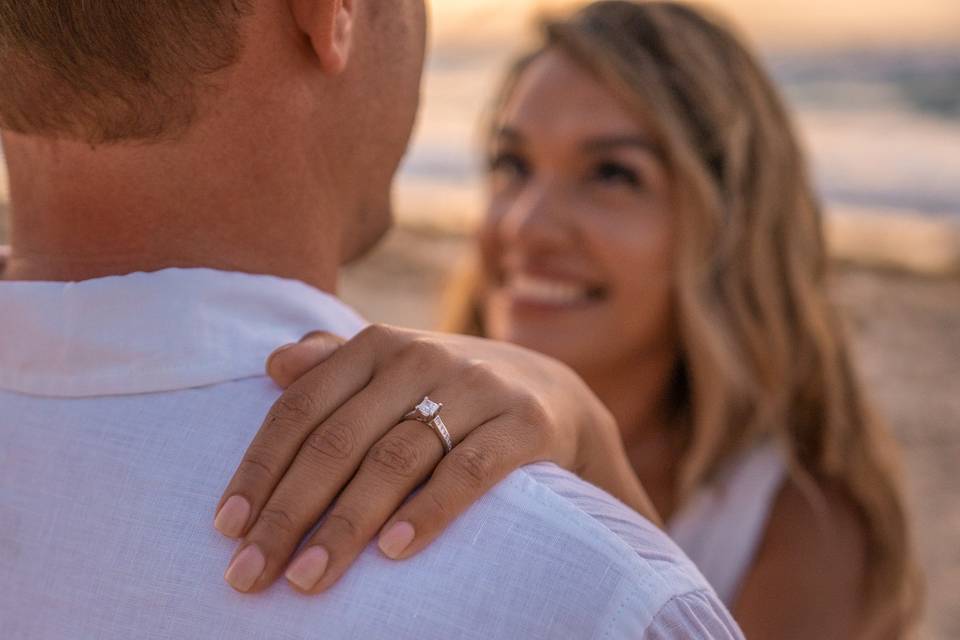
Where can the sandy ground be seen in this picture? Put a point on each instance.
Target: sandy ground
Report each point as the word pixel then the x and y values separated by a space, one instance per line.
pixel 907 334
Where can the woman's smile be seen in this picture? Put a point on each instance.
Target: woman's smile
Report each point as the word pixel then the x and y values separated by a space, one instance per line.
pixel 536 292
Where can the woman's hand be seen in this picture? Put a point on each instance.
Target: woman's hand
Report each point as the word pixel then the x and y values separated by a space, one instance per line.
pixel 336 443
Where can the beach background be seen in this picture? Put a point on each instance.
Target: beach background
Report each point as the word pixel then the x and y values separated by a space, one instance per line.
pixel 875 89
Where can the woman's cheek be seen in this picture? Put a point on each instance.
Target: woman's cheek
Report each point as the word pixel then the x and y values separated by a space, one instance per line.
pixel 636 249
pixel 488 238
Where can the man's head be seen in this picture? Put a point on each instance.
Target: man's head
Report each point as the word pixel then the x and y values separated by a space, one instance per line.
pixel 326 87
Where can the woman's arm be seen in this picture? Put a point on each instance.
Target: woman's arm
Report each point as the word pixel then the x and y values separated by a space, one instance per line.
pixel 808 577
pixel 336 444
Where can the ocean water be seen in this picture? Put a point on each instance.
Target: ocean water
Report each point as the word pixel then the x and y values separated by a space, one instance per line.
pixel 881 127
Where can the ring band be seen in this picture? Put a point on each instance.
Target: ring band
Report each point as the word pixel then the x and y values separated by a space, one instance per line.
pixel 441 430
pixel 428 412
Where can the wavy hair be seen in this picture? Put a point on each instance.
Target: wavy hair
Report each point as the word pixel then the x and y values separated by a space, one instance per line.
pixel 764 353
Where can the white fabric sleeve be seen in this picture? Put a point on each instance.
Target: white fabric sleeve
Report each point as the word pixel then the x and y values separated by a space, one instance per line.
pixel 698 615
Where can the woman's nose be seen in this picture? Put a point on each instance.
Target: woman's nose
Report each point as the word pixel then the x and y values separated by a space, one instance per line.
pixel 536 216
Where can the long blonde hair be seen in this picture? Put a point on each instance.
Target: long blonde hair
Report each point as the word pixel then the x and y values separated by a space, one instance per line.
pixel 763 351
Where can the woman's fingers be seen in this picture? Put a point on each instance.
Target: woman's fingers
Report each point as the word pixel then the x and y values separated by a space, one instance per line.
pixel 390 472
pixel 388 469
pixel 393 469
pixel 475 466
pixel 290 362
pixel 325 462
pixel 291 420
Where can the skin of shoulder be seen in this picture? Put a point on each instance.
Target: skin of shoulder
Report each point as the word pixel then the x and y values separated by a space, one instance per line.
pixel 809 572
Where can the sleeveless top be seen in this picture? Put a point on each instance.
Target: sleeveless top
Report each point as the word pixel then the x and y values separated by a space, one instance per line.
pixel 721 527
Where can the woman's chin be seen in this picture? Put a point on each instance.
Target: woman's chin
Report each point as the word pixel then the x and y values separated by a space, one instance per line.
pixel 576 346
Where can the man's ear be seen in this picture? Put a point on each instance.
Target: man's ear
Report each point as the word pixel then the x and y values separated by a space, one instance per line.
pixel 329 25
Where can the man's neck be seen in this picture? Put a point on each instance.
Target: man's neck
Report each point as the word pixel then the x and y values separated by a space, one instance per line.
pixel 80 213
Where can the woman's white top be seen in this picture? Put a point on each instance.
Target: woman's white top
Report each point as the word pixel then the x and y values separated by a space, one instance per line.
pixel 722 525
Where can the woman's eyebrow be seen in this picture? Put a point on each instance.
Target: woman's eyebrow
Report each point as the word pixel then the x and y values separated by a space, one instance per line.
pixel 607 143
pixel 599 144
pixel 509 134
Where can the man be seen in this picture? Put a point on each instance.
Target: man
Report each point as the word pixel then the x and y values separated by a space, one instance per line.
pixel 199 169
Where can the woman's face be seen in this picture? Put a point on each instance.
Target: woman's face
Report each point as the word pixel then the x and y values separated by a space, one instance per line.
pixel 579 236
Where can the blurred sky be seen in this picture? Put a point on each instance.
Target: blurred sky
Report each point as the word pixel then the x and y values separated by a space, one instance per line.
pixel 793 23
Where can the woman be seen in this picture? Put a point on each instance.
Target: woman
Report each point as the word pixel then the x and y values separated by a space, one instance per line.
pixel 652 225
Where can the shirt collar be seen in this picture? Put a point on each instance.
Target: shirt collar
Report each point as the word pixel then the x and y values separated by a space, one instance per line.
pixel 153 332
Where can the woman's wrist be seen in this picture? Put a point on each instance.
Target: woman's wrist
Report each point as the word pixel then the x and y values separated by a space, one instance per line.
pixel 603 462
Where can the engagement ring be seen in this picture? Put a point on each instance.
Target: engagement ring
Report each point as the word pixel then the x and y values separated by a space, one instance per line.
pixel 428 412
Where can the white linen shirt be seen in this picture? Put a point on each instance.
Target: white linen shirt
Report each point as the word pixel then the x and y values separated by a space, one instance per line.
pixel 125 404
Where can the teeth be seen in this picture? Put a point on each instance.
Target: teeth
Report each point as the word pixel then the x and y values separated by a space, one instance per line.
pixel 547 291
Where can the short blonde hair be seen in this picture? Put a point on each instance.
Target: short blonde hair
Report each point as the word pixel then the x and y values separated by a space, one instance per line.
pixel 101 71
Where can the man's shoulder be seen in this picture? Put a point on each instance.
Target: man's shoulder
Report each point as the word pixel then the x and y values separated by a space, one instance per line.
pixel 596 520
pixel 555 557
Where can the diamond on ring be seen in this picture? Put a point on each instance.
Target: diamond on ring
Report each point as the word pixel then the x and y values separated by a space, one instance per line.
pixel 428 409
pixel 428 412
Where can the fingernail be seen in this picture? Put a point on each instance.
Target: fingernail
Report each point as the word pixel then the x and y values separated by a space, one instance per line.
pixel 285 347
pixel 306 570
pixel 278 351
pixel 246 568
pixel 396 540
pixel 232 517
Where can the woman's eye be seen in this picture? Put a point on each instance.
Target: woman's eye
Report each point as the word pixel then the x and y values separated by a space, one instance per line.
pixel 616 173
pixel 511 165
